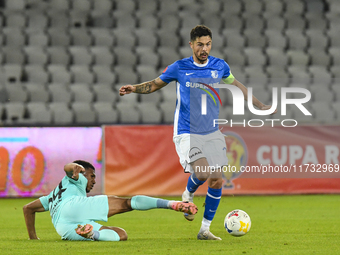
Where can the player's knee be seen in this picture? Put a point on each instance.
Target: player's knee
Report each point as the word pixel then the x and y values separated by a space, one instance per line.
pixel 215 183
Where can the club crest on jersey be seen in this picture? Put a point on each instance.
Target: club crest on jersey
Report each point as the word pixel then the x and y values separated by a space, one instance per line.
pixel 214 74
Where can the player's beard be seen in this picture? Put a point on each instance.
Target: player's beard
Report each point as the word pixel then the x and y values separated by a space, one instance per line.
pixel 200 59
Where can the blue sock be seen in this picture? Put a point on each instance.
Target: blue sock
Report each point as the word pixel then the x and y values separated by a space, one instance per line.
pixel 193 183
pixel 212 200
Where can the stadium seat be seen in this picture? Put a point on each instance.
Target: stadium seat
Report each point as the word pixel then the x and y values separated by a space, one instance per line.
pixel 168 38
pixel 126 6
pixel 254 22
pixel 320 75
pixel 185 51
pixel 37 21
pixel 146 73
pixel 334 52
pixel 167 8
pixel 106 114
pixel 320 93
pixel 317 39
pixel 278 77
pixel 58 56
pixel 61 113
pixel 13 55
pixel 80 37
pixel 128 113
pixel 276 57
pixel 237 6
pixel 146 38
pixel 36 73
pixel 59 74
pixel 295 7
pixel 15 5
pixel 102 37
pixel 35 55
pixel 104 93
pixel 254 7
pixel 323 112
pixel 15 20
pixel 299 74
pixel 255 56
pixel 150 114
pixel 81 93
pixel 37 92
pixel 272 8
pixel 125 21
pixel 296 40
pixel 125 57
pixel 82 74
pixel 276 23
pixel 125 39
pixel 101 20
pixel 169 93
pixel 234 40
pixel 58 19
pixel 214 22
pixel 13 73
pixel 147 57
pixel 168 56
pixel 126 75
pixel 315 6
pixel 147 7
pixel 81 5
pixel 316 21
pixel 60 5
pixel 14 37
pixel 102 6
pixel 211 8
pixel 38 113
pixel 298 57
pixel 295 21
pixel 16 93
pixel 189 21
pixel 276 39
pixel 38 38
pixel 15 113
pixel 319 57
pixel 60 93
pixel 256 75
pixel 58 37
pixel 104 74
pixel 102 55
pixel 169 22
pixel 235 58
pixel 80 55
pixel 84 114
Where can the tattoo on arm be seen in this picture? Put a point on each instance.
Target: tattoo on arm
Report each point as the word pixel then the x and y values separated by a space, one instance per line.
pixel 144 88
pixel 69 173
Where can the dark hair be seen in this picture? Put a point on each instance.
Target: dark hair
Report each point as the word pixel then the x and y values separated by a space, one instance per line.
pixel 200 31
pixel 85 164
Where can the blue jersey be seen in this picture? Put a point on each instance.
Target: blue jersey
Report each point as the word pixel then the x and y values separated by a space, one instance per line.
pixel 192 81
pixel 66 189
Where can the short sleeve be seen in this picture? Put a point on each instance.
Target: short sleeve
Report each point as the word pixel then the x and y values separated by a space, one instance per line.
pixel 81 182
pixel 44 202
pixel 228 77
pixel 170 73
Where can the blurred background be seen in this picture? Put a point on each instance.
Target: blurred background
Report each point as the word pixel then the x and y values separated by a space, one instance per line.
pixel 62 61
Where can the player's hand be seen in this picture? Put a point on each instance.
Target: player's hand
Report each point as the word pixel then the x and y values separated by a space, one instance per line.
pixel 267 107
pixel 76 170
pixel 126 89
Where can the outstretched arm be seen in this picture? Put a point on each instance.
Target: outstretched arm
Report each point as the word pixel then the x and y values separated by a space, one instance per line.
pixel 29 213
pixel 72 170
pixel 256 102
pixel 143 88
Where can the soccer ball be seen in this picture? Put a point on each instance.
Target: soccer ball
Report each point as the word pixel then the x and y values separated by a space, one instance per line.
pixel 237 223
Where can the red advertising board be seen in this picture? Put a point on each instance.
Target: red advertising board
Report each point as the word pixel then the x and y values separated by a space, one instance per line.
pixel 266 160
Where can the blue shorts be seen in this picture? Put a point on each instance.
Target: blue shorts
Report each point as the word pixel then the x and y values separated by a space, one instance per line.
pixel 81 210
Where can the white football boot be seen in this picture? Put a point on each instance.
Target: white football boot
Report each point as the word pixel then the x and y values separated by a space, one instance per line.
pixel 207 235
pixel 188 197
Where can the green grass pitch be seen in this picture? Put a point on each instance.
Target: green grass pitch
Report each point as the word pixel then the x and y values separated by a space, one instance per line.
pixel 300 224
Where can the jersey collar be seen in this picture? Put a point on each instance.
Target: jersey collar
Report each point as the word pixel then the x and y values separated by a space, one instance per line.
pixel 200 65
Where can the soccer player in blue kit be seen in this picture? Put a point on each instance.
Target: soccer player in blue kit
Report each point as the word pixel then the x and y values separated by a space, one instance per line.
pixel 74 214
pixel 199 143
